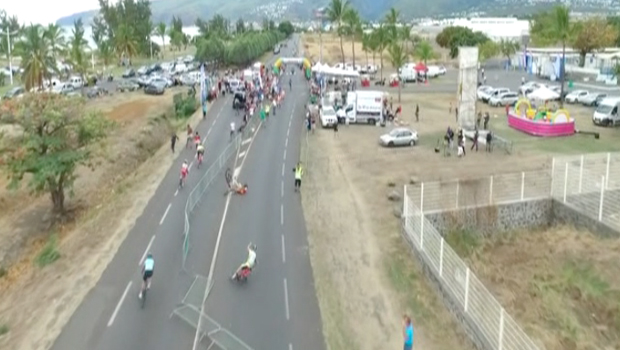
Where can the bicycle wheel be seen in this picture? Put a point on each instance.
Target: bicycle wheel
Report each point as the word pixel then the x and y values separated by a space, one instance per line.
pixel 143 297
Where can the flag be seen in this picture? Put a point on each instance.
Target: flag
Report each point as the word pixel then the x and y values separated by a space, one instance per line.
pixel 203 87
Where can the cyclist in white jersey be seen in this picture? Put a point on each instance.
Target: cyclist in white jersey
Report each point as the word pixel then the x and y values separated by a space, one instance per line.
pixel 147 273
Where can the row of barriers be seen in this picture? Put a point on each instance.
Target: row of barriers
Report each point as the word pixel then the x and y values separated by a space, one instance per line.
pixel 589 183
pixel 195 196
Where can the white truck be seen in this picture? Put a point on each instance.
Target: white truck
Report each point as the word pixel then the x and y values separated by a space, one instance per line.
pixel 364 107
pixel 606 114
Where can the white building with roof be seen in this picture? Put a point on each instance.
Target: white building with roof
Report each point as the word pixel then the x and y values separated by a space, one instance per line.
pixel 496 28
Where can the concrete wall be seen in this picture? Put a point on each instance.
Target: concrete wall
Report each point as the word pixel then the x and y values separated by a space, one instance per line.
pixel 494 219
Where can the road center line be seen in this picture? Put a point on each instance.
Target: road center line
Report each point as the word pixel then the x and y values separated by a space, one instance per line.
pixel 283 250
pixel 176 192
pixel 284 156
pixel 241 154
pixel 286 142
pixel 146 251
pixel 120 302
pixel 290 346
pixel 288 317
pixel 282 188
pixel 163 217
pixel 283 169
pixel 282 214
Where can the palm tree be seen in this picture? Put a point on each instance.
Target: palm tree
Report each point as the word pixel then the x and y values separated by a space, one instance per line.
pixel 37 60
pixel 54 34
pixel 106 53
pixel 353 26
pixel 160 30
pixel 78 45
pixel 335 13
pixel 391 22
pixel 404 35
pixel 382 41
pixel 398 57
pixel 366 45
pixel 424 51
pixel 124 42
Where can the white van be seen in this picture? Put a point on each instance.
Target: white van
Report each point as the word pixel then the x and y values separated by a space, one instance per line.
pixel 77 82
pixel 328 118
pixel 606 114
pixel 364 107
pixel 407 74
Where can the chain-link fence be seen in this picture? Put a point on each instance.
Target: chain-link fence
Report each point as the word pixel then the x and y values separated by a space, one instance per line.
pixel 195 196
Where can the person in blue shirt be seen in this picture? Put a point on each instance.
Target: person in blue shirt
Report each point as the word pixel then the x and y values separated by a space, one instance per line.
pixel 407 333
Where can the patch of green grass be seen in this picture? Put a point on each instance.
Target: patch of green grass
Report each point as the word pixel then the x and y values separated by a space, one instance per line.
pixel 3 271
pixel 49 253
pixel 464 242
pixel 4 329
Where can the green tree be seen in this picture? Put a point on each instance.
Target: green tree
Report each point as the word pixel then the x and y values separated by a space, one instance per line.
pixel 352 26
pixel 398 57
pixel 335 13
pixel 486 50
pixel 554 27
pixel 125 44
pixel 366 45
pixel 240 26
pixel 508 48
pixel 392 19
pixel 286 27
pixel 381 41
pixel 160 31
pixel 133 14
pixel 54 35
pixel 454 37
pixel 105 51
pixel 37 60
pixel 77 48
pixel 424 51
pixel 591 35
pixel 57 137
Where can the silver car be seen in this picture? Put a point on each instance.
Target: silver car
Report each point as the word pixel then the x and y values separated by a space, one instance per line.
pixel 399 137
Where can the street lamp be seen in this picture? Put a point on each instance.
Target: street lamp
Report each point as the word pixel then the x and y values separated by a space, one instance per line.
pixel 8 44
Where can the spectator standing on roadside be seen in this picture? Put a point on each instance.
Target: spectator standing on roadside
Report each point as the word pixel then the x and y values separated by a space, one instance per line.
pixel 417 112
pixel 407 333
pixel 173 141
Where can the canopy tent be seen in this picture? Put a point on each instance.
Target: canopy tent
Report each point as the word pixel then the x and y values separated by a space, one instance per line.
pixel 543 94
pixel 257 65
pixel 421 67
pixel 327 70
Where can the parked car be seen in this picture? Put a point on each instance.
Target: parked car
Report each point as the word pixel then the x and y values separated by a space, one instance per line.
pixel 558 89
pixel 593 99
pixel 129 73
pixel 127 85
pixel 505 99
pixel 96 91
pixel 144 70
pixel 529 87
pixel 573 96
pixel 155 89
pixel 399 137
pixel 161 80
pixel 483 92
pixel 14 93
pixel 494 93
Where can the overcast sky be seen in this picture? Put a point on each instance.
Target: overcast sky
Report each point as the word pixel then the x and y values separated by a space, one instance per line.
pixel 45 11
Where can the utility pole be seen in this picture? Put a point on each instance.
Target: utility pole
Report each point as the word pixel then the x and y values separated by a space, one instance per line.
pixel 8 44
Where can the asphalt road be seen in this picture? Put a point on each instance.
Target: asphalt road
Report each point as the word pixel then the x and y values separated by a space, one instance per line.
pixel 263 312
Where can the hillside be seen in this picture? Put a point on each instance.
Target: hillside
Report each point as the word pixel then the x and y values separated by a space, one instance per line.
pixel 189 10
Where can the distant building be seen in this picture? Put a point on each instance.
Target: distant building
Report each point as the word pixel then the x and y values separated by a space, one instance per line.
pixel 496 28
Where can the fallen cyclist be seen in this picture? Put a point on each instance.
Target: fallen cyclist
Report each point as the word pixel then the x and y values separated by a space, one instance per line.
pixel 234 185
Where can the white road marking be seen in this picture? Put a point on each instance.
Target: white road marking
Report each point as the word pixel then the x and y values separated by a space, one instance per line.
pixel 190 166
pixel 290 346
pixel 281 214
pixel 286 300
pixel 282 189
pixel 283 250
pixel 118 306
pixel 286 142
pixel 237 171
pixel 288 131
pixel 176 192
pixel 284 156
pixel 246 141
pixel 283 169
pixel 146 251
pixel 163 217
pixel 241 154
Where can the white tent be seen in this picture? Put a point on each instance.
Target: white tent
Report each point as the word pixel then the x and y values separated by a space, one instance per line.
pixel 257 65
pixel 543 94
pixel 320 68
pixel 341 72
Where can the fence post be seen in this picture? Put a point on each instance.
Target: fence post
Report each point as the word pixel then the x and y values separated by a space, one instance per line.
pixel 552 176
pixel 500 340
pixel 580 173
pixel 441 258
pixel 458 189
pixel 405 204
pixel 600 204
pixel 422 216
pixel 491 190
pixel 466 303
pixel 522 185
pixel 565 180
pixel 607 171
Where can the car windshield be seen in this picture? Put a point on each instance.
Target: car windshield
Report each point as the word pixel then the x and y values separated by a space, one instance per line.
pixel 604 109
pixel 329 112
pixel 395 132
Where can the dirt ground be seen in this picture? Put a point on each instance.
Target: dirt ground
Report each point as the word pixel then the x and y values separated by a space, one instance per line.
pixel 560 284
pixel 88 242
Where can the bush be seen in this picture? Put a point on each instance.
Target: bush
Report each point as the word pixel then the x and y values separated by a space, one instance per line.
pixel 184 105
pixel 49 254
pixel 4 329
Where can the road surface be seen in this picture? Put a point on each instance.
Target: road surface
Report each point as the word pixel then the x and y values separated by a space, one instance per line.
pixel 276 309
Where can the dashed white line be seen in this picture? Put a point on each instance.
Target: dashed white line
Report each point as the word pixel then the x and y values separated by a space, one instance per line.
pixel 246 141
pixel 283 169
pixel 283 250
pixel 281 214
pixel 290 346
pixel 146 251
pixel 284 156
pixel 241 154
pixel 282 189
pixel 286 300
pixel 288 132
pixel 118 306
pixel 163 217
pixel 286 143
pixel 176 192
pixel 190 166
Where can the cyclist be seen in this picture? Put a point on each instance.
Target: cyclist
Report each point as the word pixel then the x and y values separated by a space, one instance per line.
pixel 147 273
pixel 200 152
pixel 184 171
pixel 290 83
pixel 267 107
pixel 232 130
pixel 197 139
pixel 250 262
